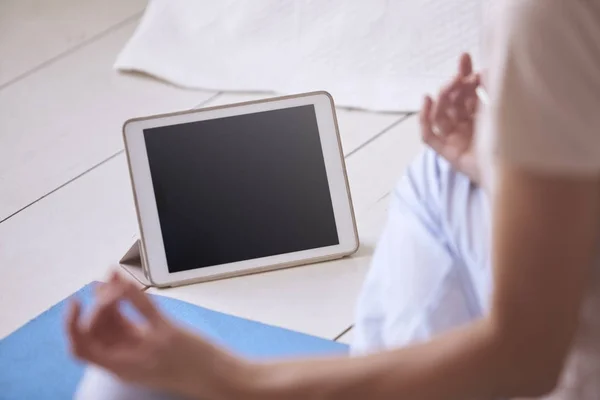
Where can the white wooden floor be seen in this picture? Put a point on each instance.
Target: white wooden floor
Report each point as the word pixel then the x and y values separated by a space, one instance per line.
pixel 66 210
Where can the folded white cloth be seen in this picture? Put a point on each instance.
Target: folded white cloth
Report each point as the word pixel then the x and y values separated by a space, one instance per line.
pixel 376 54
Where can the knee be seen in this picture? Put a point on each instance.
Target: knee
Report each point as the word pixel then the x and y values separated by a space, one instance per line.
pixel 422 178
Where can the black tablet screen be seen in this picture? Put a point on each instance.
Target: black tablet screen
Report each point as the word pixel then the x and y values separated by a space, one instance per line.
pixel 239 188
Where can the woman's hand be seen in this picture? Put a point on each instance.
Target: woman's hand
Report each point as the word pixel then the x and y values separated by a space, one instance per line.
pixel 447 124
pixel 155 353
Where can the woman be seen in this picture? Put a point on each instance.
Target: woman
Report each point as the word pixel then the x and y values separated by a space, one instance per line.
pixel 540 159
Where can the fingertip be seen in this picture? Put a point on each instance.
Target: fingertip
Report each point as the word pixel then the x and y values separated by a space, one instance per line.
pixel 73 316
pixel 115 276
pixel 425 110
pixel 465 65
pixel 424 117
pixel 427 102
pixel 74 308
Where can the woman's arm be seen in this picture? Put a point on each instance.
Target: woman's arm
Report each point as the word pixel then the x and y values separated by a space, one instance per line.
pixel 545 235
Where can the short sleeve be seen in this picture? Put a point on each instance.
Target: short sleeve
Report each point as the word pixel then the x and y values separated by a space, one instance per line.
pixel 544 85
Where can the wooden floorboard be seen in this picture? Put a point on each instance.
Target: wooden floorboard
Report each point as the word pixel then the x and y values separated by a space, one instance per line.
pixel 34 33
pixel 66 118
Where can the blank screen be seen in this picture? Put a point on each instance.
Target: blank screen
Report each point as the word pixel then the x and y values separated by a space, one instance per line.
pixel 239 188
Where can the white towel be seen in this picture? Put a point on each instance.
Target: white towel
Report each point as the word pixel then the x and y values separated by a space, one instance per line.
pixel 377 54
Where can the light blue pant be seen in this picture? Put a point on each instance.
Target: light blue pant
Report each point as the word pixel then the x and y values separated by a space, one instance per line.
pixel 430 271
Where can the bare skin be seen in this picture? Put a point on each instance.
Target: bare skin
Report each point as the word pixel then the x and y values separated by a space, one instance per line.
pixel 448 122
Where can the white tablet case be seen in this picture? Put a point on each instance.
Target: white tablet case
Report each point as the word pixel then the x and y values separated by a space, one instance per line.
pixel 133 262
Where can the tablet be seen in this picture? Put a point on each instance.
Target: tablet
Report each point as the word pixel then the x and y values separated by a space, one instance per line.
pixel 240 188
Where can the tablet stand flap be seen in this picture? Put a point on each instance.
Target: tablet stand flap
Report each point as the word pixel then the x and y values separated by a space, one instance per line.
pixel 133 263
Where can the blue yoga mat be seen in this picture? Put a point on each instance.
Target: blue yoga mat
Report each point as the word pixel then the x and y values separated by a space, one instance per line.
pixel 35 364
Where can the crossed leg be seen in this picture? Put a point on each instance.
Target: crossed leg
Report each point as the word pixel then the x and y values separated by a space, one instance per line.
pixel 430 271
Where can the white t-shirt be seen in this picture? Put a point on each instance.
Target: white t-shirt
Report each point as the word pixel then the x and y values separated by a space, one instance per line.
pixel 544 115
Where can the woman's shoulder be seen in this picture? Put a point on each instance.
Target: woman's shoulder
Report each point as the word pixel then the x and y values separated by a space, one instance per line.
pixel 544 84
pixel 547 16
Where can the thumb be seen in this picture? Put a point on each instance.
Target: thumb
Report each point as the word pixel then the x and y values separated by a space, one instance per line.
pixel 465 65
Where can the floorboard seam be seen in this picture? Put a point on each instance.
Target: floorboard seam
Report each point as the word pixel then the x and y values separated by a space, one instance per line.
pixel 87 171
pixel 383 132
pixel 348 329
pixel 71 50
